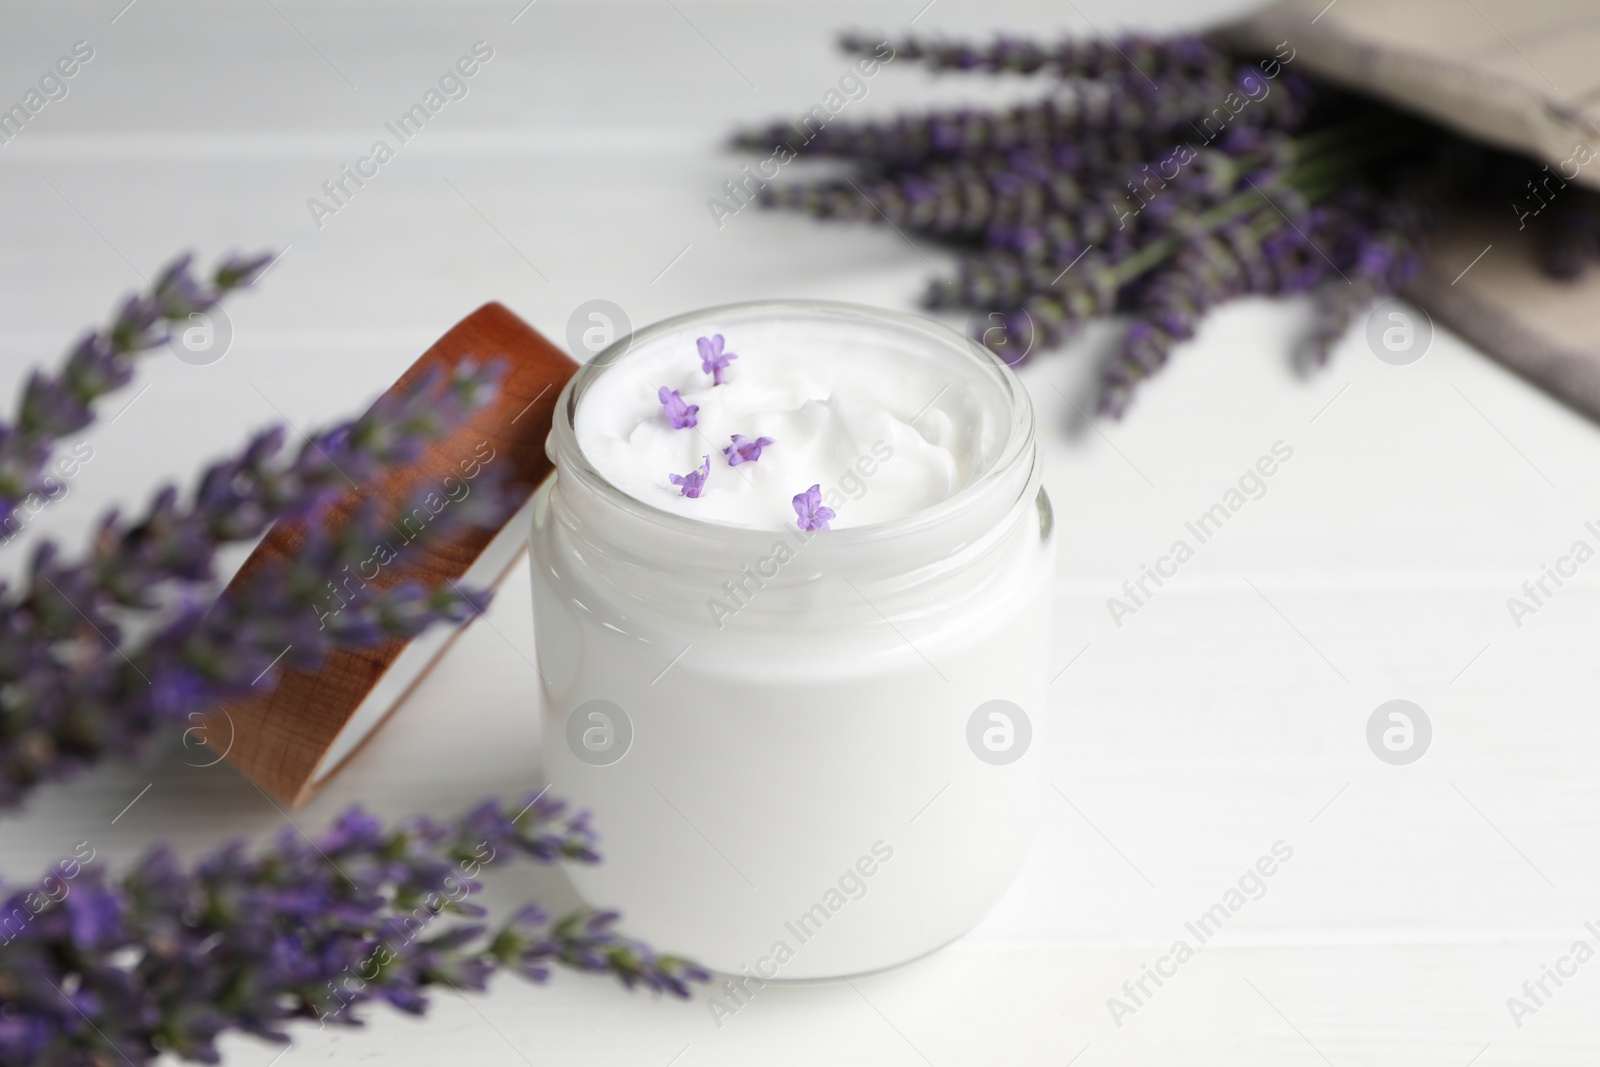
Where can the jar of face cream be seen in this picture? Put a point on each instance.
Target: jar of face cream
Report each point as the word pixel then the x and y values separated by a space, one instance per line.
pixel 790 672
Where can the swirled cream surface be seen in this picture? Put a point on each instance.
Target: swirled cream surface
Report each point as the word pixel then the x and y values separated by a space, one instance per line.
pixel 880 425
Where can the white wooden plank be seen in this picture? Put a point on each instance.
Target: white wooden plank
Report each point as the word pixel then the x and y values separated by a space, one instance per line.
pixel 1226 714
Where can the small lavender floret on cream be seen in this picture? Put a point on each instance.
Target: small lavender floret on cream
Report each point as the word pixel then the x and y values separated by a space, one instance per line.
pixel 744 450
pixel 713 360
pixel 692 484
pixel 810 512
pixel 680 415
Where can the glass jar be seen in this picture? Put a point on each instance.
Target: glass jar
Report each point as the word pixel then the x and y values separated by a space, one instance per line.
pixel 803 752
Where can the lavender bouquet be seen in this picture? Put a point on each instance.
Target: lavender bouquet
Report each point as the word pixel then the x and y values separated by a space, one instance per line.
pixel 100 654
pixel 98 972
pixel 1155 179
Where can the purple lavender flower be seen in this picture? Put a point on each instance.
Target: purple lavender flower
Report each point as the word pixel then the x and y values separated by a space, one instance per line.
pixel 744 450
pixel 812 514
pixel 248 940
pixel 244 942
pixel 681 415
pixel 713 360
pixel 693 482
pixel 54 406
pixel 75 698
pixel 1122 191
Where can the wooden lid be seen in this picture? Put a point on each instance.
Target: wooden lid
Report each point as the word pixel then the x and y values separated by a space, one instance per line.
pixel 292 739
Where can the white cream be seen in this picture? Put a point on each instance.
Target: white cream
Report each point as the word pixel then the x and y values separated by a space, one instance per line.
pixel 878 425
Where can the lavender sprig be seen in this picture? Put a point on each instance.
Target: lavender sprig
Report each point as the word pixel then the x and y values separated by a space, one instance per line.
pixel 1118 105
pixel 54 406
pixel 74 688
pixel 78 691
pixel 1182 56
pixel 1159 178
pixel 96 969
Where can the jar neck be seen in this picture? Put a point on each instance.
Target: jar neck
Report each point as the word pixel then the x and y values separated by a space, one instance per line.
pixel 776 580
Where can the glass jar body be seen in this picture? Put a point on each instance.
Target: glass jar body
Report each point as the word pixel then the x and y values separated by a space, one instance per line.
pixel 781 735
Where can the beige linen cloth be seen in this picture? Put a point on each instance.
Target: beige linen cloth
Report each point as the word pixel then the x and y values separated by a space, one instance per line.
pixel 1519 74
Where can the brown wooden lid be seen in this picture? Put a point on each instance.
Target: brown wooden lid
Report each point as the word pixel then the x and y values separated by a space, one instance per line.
pixel 293 738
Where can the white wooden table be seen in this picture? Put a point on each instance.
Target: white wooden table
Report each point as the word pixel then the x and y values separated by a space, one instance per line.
pixel 1229 713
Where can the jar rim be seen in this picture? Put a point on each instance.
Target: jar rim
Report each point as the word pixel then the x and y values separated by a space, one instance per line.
pixel 570 459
